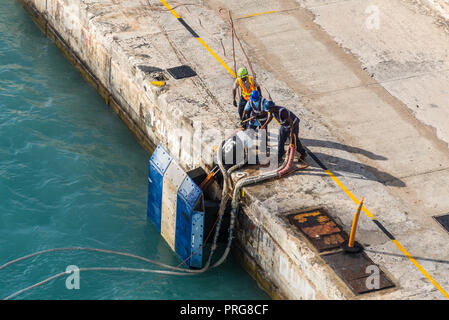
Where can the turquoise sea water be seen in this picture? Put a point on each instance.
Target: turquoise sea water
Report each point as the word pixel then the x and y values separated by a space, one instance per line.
pixel 71 174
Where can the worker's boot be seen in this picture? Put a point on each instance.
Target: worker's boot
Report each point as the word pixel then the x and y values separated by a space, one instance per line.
pixel 302 156
pixel 280 161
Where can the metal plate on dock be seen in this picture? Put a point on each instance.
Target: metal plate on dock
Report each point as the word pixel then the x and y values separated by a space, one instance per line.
pixel 358 271
pixel 181 72
pixel 321 230
pixel 444 221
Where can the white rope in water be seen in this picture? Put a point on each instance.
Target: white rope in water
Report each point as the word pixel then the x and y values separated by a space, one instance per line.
pixel 163 265
pixel 123 269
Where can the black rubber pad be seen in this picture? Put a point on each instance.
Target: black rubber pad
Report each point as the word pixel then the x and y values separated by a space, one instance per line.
pixel 444 221
pixel 181 72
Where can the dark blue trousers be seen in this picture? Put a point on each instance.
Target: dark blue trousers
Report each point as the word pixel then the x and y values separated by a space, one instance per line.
pixel 284 134
pixel 242 104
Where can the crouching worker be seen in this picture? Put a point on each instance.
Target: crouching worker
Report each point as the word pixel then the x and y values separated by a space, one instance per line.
pixel 289 128
pixel 255 114
pixel 254 117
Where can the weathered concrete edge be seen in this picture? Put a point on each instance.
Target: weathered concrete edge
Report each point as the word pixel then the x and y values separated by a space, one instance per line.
pixel 254 263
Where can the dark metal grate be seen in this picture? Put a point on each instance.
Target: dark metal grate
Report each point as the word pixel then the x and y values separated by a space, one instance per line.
pixel 358 271
pixel 321 230
pixel 444 221
pixel 181 72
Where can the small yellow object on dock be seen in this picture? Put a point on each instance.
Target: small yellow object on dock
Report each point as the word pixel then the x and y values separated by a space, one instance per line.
pixel 158 83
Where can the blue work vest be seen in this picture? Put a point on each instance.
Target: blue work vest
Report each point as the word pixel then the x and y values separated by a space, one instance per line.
pixel 258 110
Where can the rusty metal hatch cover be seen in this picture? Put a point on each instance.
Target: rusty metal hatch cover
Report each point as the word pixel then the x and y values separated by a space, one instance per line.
pixel 181 72
pixel 358 271
pixel 321 230
pixel 443 220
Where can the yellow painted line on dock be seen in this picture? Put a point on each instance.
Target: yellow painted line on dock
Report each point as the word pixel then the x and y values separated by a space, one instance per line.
pixel 350 195
pixel 257 14
pixel 423 271
pixel 328 172
pixel 177 16
pixel 173 12
pixel 216 57
pixel 267 12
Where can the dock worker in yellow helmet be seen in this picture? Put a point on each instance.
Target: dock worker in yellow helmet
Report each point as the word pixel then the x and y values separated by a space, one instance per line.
pixel 247 85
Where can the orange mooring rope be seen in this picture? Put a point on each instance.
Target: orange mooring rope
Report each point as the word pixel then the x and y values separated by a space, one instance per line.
pixel 231 24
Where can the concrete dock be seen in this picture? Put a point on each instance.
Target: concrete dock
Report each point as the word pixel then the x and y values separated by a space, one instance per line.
pixel 368 80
